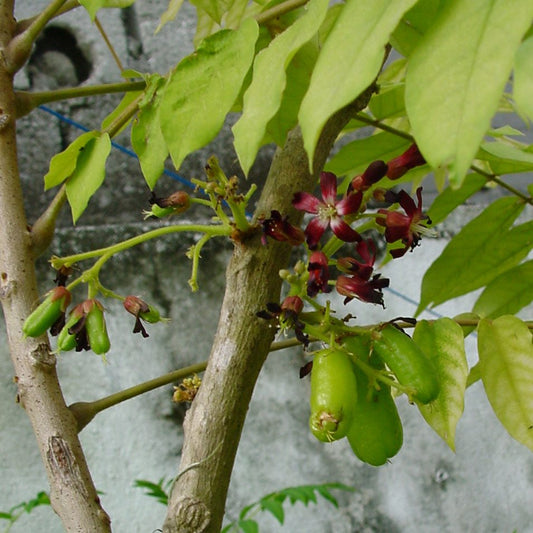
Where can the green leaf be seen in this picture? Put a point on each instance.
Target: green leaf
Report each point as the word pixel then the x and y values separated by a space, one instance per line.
pixel 214 8
pixel 298 75
pixel 264 95
pixel 92 6
pixel 353 158
pixel 275 507
pixel 388 103
pixel 88 175
pixel 483 249
pixel 456 76
pixel 349 61
pixel 414 25
pixel 170 13
pixel 62 165
pixel 450 198
pixel 127 99
pixel 147 138
pixel 248 526
pixel 510 292
pixel 202 89
pixel 523 78
pixel 5 516
pixel 505 158
pixel 442 341
pixel 506 360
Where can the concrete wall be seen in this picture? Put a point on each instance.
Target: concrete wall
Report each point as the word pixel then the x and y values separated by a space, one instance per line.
pixel 486 486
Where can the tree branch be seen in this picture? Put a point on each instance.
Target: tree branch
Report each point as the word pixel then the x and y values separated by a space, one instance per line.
pixel 214 422
pixel 72 494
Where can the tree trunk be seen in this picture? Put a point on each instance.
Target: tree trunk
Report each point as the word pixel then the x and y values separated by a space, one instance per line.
pixel 214 422
pixel 72 494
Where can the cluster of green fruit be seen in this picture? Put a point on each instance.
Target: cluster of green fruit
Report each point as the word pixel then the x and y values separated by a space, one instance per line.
pixel 349 400
pixel 85 327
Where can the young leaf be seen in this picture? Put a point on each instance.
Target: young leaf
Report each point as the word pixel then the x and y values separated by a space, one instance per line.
pixel 388 103
pixel 170 14
pixel 456 76
pixel 88 175
pixel 62 165
pixel 504 158
pixel 248 526
pixel 523 78
pixel 354 157
pixel 298 75
pixel 263 97
pixel 202 89
pixel 274 506
pixel 147 139
pixel 506 362
pixel 92 6
pixel 352 56
pixel 450 198
pixel 443 342
pixel 483 249
pixel 508 293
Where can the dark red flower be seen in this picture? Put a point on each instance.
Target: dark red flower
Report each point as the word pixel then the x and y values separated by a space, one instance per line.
pixel 318 274
pixel 373 173
pixel 404 227
pixel 329 211
pixel 366 290
pixel 279 229
pixel 363 269
pixel 286 316
pixel 409 159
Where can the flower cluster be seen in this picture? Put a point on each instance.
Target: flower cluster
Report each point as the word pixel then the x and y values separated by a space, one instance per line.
pixel 355 275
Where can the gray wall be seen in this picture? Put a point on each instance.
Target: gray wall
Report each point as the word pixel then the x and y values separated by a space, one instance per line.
pixel 486 486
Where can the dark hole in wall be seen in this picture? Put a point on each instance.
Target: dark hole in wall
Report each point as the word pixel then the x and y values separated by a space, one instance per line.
pixel 58 56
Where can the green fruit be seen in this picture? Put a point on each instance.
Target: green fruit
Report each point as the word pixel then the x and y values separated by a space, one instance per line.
pixel 333 395
pixel 407 362
pixel 375 433
pixel 47 313
pixel 66 341
pixel 96 328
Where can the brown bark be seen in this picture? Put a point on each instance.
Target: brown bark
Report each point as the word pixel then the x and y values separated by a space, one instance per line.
pixel 72 494
pixel 214 423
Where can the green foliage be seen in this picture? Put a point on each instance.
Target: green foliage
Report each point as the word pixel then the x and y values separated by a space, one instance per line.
pixel 203 88
pixel 273 503
pixel 92 6
pixel 523 78
pixel 88 175
pixel 269 70
pixel 13 514
pixel 483 249
pixel 443 342
pixel 505 348
pixel 456 76
pixel 348 62
pixel 146 136
pixel 508 293
pixel 159 490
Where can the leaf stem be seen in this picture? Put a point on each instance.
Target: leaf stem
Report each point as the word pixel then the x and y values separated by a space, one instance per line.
pixel 27 101
pixel 280 9
pixel 213 231
pixel 109 45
